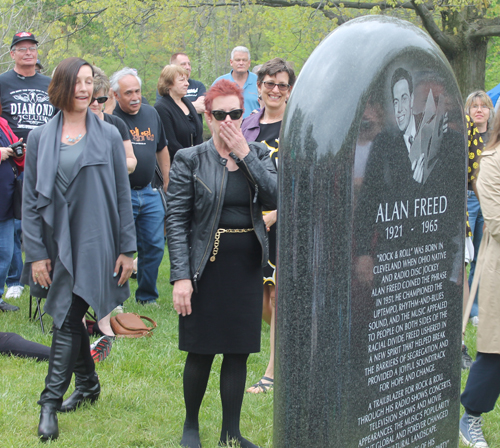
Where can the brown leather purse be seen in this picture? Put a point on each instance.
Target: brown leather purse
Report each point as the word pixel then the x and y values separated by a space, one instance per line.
pixel 130 325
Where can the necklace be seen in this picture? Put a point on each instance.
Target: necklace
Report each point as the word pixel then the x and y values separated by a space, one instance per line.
pixel 73 140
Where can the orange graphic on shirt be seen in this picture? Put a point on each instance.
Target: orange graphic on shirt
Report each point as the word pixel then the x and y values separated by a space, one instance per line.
pixel 138 136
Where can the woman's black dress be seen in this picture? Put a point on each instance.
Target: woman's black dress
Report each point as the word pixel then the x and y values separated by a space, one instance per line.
pixel 227 309
pixel 269 134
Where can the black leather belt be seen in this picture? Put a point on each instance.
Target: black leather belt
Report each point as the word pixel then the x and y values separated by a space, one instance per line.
pixel 138 188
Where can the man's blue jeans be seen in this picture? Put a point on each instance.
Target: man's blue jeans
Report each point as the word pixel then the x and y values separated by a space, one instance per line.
pixel 476 222
pixel 6 250
pixel 16 266
pixel 149 224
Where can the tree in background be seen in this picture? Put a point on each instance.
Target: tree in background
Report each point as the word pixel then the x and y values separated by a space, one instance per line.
pixel 461 28
pixel 143 33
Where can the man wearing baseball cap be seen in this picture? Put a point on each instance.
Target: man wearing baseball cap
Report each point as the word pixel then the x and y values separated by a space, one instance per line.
pixel 23 91
pixel 25 105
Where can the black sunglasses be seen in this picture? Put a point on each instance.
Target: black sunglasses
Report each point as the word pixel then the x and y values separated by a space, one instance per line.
pixel 99 99
pixel 220 115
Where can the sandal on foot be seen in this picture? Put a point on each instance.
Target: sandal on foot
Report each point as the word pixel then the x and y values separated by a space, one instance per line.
pixel 263 387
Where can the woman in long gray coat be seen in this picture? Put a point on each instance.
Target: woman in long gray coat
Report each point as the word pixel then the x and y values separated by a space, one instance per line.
pixel 79 233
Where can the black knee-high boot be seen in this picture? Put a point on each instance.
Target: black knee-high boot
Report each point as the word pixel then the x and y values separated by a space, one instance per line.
pixel 61 363
pixel 87 387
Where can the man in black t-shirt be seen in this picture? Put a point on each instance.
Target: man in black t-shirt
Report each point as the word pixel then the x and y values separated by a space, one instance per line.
pixel 150 146
pixel 25 106
pixel 23 91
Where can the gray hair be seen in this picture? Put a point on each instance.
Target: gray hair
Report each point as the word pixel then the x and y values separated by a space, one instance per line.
pixel 242 50
pixel 121 74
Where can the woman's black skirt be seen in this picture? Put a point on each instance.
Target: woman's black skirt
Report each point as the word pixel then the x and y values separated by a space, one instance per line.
pixel 227 309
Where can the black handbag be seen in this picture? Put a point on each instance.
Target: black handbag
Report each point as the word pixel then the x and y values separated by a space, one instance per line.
pixel 17 199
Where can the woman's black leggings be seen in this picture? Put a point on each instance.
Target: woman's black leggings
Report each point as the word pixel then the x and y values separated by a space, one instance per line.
pixel 232 387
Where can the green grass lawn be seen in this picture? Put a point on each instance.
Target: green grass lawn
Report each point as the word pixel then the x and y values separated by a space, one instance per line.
pixel 141 403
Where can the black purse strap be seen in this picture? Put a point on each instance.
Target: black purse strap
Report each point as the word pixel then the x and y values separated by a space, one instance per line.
pixel 14 167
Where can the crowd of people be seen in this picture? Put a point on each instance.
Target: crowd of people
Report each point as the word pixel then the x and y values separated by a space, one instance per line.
pixel 99 187
pixel 107 175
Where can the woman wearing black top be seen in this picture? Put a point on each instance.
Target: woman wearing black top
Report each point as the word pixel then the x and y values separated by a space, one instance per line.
pixel 180 120
pixel 218 244
pixel 275 80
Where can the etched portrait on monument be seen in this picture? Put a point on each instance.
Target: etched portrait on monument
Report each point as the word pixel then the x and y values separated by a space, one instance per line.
pixel 408 256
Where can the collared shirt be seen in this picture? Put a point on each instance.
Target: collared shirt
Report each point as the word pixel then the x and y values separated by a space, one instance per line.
pixel 410 133
pixel 250 93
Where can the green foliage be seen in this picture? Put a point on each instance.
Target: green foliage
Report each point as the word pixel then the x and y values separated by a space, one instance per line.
pixel 144 33
pixel 493 64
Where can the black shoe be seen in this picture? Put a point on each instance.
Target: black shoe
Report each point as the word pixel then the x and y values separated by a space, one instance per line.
pixel 4 306
pixel 48 428
pixel 78 398
pixel 466 359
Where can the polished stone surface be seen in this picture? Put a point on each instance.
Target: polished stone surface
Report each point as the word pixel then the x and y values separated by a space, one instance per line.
pixel 371 233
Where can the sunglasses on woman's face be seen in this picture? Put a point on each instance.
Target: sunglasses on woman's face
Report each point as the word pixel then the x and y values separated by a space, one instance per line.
pixel 220 115
pixel 271 85
pixel 99 99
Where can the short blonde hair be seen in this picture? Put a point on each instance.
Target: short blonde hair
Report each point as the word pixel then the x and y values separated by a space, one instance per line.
pixel 167 77
pixel 101 81
pixel 482 96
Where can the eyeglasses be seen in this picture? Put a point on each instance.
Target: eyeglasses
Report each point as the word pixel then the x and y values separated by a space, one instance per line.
pixel 99 99
pixel 24 49
pixel 220 115
pixel 270 85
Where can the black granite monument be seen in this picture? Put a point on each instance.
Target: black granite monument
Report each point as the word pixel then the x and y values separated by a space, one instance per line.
pixel 371 233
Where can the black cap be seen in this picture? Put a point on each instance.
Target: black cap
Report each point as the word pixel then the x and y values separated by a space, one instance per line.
pixel 21 36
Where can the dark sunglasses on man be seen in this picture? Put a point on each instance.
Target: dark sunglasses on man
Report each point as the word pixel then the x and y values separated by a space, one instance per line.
pixel 220 115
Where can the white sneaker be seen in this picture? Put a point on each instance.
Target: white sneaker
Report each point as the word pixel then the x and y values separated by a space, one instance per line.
pixel 474 321
pixel 14 292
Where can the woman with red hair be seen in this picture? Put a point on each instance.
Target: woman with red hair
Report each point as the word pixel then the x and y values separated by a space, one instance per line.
pixel 218 244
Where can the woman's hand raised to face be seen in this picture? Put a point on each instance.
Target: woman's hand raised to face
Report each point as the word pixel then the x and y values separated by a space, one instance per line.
pixel 232 136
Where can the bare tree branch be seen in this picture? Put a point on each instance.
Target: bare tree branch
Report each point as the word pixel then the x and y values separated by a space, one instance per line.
pixel 487 31
pixel 316 5
pixel 446 43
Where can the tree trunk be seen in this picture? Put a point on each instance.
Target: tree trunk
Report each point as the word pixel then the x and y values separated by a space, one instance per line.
pixel 469 64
